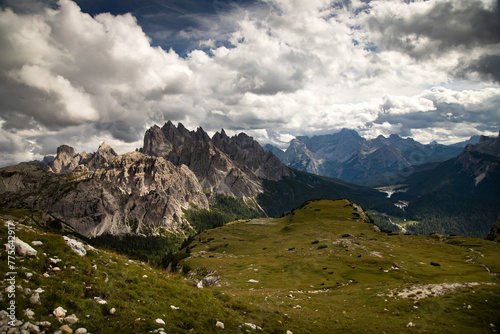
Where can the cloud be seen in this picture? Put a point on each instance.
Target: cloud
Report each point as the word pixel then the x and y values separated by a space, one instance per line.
pixel 452 30
pixel 273 69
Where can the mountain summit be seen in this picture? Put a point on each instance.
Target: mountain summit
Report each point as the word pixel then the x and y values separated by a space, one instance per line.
pixel 222 164
pixel 348 156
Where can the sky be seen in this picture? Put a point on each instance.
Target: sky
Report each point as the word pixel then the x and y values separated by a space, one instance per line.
pixel 86 71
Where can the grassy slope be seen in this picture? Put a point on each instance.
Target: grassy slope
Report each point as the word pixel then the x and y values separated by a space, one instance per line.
pixel 303 286
pixel 341 287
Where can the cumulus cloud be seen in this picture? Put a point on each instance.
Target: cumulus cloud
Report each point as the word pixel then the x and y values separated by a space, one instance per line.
pixel 274 69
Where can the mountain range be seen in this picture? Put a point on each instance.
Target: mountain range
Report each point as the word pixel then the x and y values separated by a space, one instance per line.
pixel 183 181
pixel 348 156
pixel 149 191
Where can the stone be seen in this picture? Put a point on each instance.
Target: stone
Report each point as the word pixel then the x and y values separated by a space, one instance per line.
pixel 31 328
pixel 29 313
pixel 59 312
pixel 35 299
pixel 81 331
pixel 253 281
pixel 112 311
pixel 160 321
pixel 174 307
pixel 199 285
pixel 210 280
pixel 252 326
pixel 23 249
pixel 219 324
pixel 410 324
pixel 36 243
pixel 72 319
pixel 76 246
pixel 43 324
pixel 100 301
pixel 66 329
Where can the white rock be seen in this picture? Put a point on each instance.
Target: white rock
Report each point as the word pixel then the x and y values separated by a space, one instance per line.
pixel 72 319
pixel 43 324
pixel 27 291
pixel 200 285
pixel 252 326
pixel 35 299
pixel 145 276
pixel 81 331
pixel 174 307
pixel 219 324
pixel 160 321
pixel 39 290
pixel 100 301
pixel 289 332
pixel 54 261
pixel 29 313
pixel 28 275
pixel 112 311
pixel 209 280
pixel 59 312
pixel 410 324
pixel 253 281
pixel 23 249
pixel 30 328
pixel 36 243
pixel 76 246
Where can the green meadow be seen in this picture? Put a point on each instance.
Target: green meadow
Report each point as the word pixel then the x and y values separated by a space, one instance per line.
pixel 324 268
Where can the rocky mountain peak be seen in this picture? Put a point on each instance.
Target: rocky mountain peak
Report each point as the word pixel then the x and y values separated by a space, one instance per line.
pixel 218 162
pixel 65 150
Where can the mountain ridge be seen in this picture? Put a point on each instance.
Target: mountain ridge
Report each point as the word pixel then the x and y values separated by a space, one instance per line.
pixel 348 156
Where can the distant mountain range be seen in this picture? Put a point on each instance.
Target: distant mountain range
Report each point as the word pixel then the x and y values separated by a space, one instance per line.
pixel 348 156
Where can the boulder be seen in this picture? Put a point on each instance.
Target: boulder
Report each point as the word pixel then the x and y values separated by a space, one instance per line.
pixel 72 319
pixel 219 324
pixel 23 249
pixel 35 299
pixel 209 280
pixel 66 329
pixel 81 331
pixel 59 312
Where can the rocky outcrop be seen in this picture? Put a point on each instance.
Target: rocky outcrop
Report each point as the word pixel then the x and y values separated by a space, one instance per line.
pixel 221 164
pixel 132 193
pixel 67 160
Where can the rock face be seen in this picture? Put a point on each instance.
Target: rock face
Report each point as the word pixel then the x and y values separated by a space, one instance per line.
pixel 133 193
pixel 221 164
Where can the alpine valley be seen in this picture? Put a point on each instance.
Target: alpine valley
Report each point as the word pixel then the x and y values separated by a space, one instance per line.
pixel 192 233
